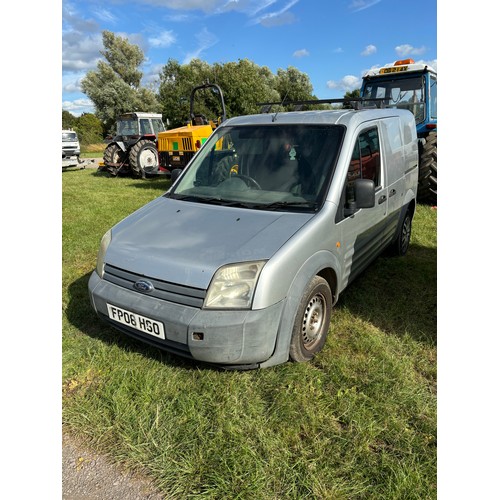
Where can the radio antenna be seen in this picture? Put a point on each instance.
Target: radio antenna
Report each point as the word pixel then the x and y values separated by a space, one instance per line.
pixel 276 114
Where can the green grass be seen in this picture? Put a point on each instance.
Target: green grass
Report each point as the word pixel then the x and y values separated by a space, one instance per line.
pixel 358 422
pixel 92 150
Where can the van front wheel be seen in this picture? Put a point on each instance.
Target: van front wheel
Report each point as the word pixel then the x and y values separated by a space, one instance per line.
pixel 312 321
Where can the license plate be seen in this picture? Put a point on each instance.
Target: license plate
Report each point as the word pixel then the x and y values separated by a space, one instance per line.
pixel 176 158
pixel 134 320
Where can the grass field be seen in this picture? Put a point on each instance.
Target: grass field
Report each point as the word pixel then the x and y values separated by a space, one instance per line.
pixel 358 422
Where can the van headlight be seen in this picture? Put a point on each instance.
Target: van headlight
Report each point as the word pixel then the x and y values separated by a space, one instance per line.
pixel 233 286
pixel 105 241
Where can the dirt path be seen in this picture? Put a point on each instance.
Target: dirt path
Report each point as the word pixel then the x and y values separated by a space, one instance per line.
pixel 88 476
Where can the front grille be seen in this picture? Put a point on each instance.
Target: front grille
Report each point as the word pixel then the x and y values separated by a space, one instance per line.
pixel 187 144
pixel 163 290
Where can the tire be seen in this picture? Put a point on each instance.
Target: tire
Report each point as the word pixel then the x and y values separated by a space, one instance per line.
pixel 113 155
pixel 427 177
pixel 143 158
pixel 312 321
pixel 402 243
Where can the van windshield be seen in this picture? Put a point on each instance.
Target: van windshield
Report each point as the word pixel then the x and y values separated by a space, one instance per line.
pixel 265 167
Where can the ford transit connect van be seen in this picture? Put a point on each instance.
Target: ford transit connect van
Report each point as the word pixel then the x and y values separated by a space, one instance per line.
pixel 240 262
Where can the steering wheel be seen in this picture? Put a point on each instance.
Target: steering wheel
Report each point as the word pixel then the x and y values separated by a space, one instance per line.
pixel 249 181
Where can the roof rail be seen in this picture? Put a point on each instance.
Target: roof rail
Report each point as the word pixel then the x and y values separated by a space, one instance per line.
pixel 355 102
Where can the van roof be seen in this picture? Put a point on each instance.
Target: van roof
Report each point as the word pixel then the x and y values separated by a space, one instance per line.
pixel 324 117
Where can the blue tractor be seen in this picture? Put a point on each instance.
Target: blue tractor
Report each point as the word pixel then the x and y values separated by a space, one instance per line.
pixel 407 85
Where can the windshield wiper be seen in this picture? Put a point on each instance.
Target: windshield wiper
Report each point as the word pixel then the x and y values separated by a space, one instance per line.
pixel 212 200
pixel 277 205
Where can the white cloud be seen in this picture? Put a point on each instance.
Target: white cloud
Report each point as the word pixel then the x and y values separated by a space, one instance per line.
pixel 105 15
pixel 301 53
pixel 357 5
pixel 347 83
pixel 208 6
pixel 78 106
pixel 205 41
pixel 163 39
pixel 80 52
pixel 369 50
pixel 408 50
pixel 277 17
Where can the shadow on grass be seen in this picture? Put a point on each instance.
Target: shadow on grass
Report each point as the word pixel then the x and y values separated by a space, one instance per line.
pixel 398 294
pixel 81 315
pixel 151 181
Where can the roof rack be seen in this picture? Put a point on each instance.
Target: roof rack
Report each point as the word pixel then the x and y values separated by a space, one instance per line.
pixel 356 103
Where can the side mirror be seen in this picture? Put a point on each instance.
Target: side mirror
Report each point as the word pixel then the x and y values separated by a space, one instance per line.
pixel 175 174
pixel 364 192
pixel 364 196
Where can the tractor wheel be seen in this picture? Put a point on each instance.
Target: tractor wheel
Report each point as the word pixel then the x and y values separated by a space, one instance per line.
pixel 112 156
pixel 427 178
pixel 143 158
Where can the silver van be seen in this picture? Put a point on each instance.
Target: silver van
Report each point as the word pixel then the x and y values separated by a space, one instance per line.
pixel 240 262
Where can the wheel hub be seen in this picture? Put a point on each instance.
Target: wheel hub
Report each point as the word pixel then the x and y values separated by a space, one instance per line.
pixel 148 159
pixel 313 320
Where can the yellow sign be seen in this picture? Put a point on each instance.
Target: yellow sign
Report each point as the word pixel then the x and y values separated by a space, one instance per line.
pixel 394 69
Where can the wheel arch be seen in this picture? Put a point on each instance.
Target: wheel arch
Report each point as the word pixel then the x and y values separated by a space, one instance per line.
pixel 322 263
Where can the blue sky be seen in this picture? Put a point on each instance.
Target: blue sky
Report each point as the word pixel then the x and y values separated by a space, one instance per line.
pixel 332 41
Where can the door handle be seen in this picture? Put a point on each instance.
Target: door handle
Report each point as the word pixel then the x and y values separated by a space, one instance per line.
pixel 382 199
pixel 392 192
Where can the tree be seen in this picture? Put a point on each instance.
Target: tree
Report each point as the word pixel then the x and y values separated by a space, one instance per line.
pixel 293 85
pixel 350 95
pixel 68 120
pixel 114 88
pixel 89 129
pixel 243 83
pixel 176 83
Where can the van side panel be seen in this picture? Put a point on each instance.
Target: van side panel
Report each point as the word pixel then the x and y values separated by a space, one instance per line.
pixel 401 156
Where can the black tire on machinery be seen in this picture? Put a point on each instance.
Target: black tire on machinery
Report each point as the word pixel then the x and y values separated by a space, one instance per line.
pixel 112 154
pixel 427 178
pixel 134 156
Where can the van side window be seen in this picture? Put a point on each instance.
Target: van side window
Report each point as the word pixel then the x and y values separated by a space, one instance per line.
pixel 365 160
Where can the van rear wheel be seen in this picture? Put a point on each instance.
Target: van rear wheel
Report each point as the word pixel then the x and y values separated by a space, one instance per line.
pixel 402 243
pixel 312 321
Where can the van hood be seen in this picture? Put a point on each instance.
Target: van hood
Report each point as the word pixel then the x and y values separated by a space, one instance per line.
pixel 185 242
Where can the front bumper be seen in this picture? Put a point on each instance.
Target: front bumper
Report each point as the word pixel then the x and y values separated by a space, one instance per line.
pixel 241 338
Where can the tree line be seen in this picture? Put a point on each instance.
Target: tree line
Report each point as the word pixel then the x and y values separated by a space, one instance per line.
pixel 115 88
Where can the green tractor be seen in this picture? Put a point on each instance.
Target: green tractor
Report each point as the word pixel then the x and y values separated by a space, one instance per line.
pixel 133 150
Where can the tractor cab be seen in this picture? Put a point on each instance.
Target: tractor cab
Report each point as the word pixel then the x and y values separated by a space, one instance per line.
pixel 405 84
pixel 133 149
